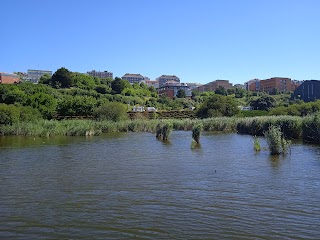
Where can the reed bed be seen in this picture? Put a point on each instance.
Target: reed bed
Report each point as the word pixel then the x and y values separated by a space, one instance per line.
pixel 292 127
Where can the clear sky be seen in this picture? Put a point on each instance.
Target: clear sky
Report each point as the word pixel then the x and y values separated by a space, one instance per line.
pixel 197 40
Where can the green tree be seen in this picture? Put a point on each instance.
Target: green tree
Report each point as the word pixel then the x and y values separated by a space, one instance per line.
pixel 9 114
pixel 13 95
pixel 62 78
pixel 82 81
pixel 103 89
pixel 118 85
pixel 45 103
pixel 217 106
pixel 231 91
pixel 264 102
pixel 45 79
pixel 181 93
pixel 76 106
pixel 239 93
pixel 221 91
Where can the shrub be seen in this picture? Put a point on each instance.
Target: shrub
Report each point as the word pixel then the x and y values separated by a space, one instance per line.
pixel 9 114
pixel 113 111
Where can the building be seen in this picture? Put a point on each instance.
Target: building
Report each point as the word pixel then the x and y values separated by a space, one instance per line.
pixel 275 84
pixel 252 85
pixel 166 78
pixel 278 84
pixel 35 75
pixel 212 86
pixel 193 86
pixel 104 74
pixel 152 83
pixel 134 78
pixel 308 91
pixel 9 78
pixel 171 88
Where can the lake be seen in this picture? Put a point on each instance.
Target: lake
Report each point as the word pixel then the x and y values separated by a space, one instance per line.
pixel 133 186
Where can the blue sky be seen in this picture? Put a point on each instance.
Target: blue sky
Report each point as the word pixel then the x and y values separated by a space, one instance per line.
pixel 199 40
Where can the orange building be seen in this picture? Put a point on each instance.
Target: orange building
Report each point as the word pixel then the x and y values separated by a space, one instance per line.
pixel 276 84
pixel 7 78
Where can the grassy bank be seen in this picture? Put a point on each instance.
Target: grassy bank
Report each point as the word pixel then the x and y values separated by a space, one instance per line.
pixel 91 127
pixel 307 128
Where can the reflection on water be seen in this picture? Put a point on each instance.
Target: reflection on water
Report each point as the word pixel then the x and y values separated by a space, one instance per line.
pixel 132 186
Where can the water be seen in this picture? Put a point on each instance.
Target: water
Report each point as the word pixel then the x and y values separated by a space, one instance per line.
pixel 132 186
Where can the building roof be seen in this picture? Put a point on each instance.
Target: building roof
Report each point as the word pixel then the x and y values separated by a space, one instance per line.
pixel 132 75
pixel 168 76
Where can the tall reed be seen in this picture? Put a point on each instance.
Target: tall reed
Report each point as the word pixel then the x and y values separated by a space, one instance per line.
pixel 196 132
pixel 256 144
pixel 166 131
pixel 276 141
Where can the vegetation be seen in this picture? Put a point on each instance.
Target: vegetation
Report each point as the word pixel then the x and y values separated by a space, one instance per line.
pixel 196 132
pixel 265 102
pixel 29 109
pixel 112 111
pixel 256 144
pixel 276 141
pixel 218 106
pixel 163 130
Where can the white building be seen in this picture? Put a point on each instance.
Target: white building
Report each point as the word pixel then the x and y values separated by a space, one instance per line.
pixel 35 75
pixel 104 74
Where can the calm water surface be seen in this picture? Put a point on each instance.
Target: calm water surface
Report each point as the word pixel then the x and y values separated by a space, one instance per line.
pixel 132 186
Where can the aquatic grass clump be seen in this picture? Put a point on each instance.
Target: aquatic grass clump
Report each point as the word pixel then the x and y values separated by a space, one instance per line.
pixel 163 130
pixel 276 141
pixel 196 132
pixel 256 144
pixel 159 130
pixel 166 131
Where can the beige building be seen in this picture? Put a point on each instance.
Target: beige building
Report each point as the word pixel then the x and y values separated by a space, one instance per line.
pixel 167 78
pixel 134 78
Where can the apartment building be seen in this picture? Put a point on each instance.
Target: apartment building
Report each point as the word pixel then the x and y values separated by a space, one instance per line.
pixel 9 78
pixel 212 86
pixel 278 84
pixel 153 83
pixel 193 86
pixel 166 78
pixel 134 78
pixel 171 88
pixel 104 74
pixel 35 75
